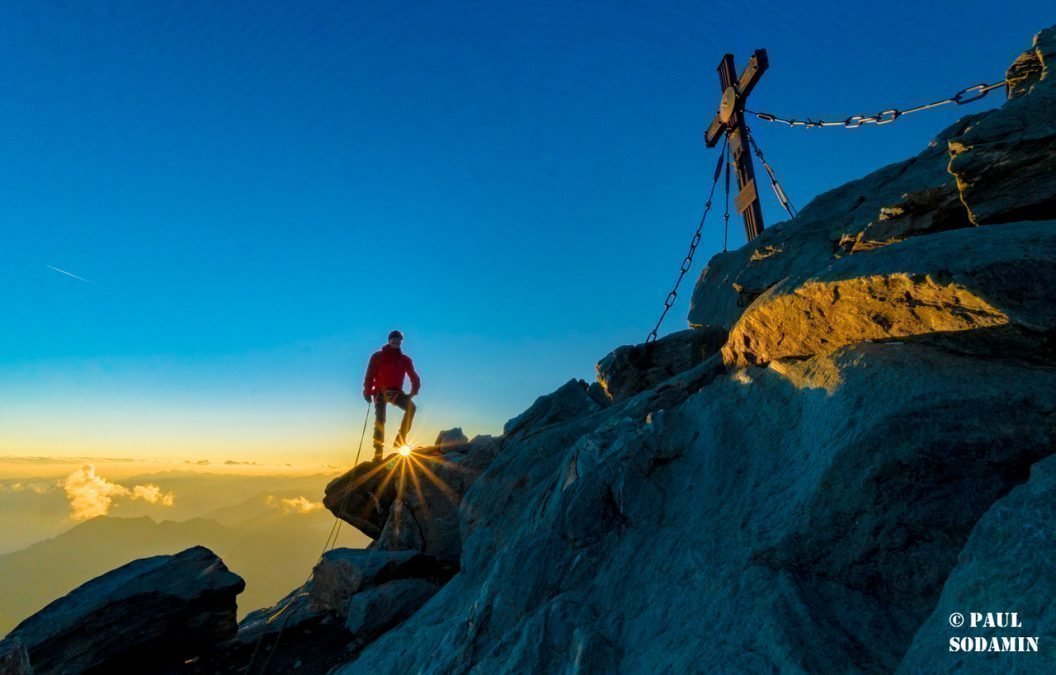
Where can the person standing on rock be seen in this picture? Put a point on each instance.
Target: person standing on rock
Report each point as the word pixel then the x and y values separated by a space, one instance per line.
pixel 384 384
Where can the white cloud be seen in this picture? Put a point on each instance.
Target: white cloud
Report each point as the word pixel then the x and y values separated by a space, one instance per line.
pixel 152 494
pixel 37 487
pixel 294 505
pixel 92 495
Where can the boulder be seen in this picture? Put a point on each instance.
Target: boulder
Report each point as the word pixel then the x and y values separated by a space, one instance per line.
pixel 411 503
pixel 311 620
pixel 372 612
pixel 157 611
pixel 344 572
pixel 451 440
pixel 632 369
pixel 362 495
pixel 13 658
pixel 568 402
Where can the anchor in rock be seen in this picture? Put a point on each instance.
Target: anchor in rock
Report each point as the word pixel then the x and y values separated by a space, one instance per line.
pixel 729 121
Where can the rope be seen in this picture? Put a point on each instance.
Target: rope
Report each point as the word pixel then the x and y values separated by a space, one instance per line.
pixel 328 546
pixel 687 262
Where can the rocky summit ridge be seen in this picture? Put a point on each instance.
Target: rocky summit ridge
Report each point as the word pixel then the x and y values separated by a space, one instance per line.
pixel 850 447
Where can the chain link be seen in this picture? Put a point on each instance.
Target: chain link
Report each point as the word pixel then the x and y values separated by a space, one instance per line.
pixel 966 95
pixel 778 190
pixel 726 212
pixel 687 262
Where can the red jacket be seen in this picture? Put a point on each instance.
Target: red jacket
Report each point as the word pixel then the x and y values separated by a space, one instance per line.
pixel 386 370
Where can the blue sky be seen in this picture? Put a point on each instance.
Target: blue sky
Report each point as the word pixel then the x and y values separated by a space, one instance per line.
pixel 258 192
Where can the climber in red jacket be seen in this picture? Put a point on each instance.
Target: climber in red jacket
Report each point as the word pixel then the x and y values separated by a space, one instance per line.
pixel 384 384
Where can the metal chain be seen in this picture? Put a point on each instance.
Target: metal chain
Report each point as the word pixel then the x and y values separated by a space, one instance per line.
pixel 726 211
pixel 687 262
pixel 966 95
pixel 778 190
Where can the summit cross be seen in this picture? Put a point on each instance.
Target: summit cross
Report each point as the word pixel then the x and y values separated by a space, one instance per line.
pixel 729 120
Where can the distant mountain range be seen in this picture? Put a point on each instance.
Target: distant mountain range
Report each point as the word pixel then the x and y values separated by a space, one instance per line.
pixel 272 548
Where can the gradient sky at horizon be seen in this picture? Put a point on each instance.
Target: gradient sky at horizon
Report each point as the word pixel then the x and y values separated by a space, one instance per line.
pixel 251 195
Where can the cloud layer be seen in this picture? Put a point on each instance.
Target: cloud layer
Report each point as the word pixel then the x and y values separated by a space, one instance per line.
pixel 91 495
pixel 294 505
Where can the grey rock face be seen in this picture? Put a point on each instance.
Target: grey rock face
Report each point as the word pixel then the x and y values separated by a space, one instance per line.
pixel 632 369
pixel 1007 565
pixel 372 612
pixel 153 611
pixel 764 501
pixel 570 401
pixel 308 625
pixel 344 572
pixel 13 658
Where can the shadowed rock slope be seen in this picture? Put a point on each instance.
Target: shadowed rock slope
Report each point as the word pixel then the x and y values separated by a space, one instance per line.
pixel 861 456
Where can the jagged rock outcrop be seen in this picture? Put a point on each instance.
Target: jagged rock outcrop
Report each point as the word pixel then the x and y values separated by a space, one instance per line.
pixel 1005 162
pixel 571 400
pixel 323 622
pixel 919 213
pixel 412 503
pixel 344 572
pixel 372 612
pixel 452 440
pixel 632 369
pixel 13 658
pixel 141 617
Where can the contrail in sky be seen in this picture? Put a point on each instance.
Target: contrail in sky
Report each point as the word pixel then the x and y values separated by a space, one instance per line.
pixel 71 274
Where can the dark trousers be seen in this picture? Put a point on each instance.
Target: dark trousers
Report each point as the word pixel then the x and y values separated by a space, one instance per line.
pixel 400 400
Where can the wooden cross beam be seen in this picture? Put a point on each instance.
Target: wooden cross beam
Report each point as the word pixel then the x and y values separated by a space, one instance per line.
pixel 730 120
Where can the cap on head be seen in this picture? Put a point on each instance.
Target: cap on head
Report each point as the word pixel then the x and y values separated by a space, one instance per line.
pixel 395 334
